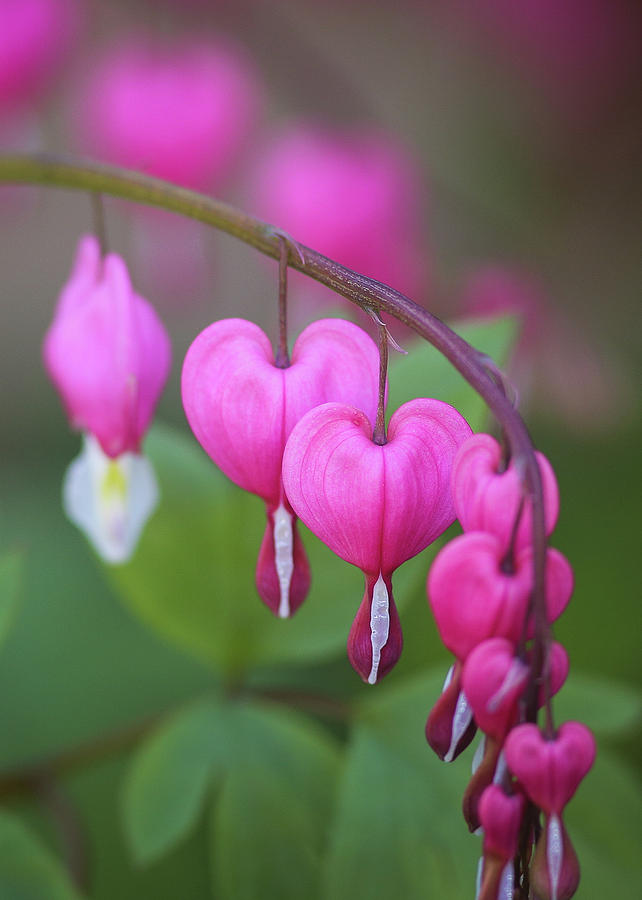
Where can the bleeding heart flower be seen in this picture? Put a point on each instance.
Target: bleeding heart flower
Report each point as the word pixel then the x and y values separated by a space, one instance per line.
pixel 374 505
pixel 550 770
pixel 494 679
pixel 555 870
pixel 242 407
pixel 108 355
pixel 474 595
pixel 179 110
pixel 450 726
pixel 500 815
pixel 487 499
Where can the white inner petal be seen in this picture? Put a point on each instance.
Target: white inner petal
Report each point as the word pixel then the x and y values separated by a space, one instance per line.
pixel 480 749
pixel 448 679
pixel 379 624
pixel 283 556
pixel 500 769
pixel 506 882
pixel 554 853
pixel 110 500
pixel 478 877
pixel 462 718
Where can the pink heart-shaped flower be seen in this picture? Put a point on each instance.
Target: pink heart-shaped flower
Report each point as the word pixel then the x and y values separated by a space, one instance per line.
pixel 374 505
pixel 494 679
pixel 487 499
pixel 550 770
pixel 473 597
pixel 242 407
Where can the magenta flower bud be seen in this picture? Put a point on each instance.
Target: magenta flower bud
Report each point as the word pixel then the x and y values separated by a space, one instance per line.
pixel 555 870
pixel 450 727
pixel 35 36
pixel 107 352
pixel 500 815
pixel 182 111
pixel 473 597
pixel 487 499
pixel 494 679
pixel 374 505
pixel 108 355
pixel 550 770
pixel 242 407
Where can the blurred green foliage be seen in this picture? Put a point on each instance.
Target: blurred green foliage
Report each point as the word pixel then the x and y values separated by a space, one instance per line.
pixel 208 749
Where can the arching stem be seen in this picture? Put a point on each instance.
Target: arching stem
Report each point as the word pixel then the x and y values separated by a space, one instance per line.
pixel 365 292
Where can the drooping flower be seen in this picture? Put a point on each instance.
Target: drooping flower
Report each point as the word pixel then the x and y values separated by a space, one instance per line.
pixel 500 814
pixel 108 356
pixel 374 505
pixel 488 499
pixel 474 597
pixel 242 408
pixel 550 771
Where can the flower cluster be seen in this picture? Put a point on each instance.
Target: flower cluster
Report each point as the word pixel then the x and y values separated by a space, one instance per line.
pixel 307 434
pixel 480 589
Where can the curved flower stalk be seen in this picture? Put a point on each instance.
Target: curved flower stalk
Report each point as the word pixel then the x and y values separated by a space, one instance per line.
pixel 375 505
pixel 473 366
pixel 108 356
pixel 242 405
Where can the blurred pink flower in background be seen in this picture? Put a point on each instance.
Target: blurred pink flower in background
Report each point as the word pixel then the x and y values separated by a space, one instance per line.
pixel 35 39
pixel 354 195
pixel 181 110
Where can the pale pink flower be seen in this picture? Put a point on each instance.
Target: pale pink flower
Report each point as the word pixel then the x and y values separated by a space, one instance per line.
pixel 108 355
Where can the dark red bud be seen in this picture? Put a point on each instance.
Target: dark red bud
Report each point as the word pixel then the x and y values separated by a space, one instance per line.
pixel 283 600
pixel 450 727
pixel 555 872
pixel 482 778
pixel 375 640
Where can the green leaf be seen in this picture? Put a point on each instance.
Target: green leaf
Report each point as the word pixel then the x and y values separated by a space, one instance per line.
pixel 607 707
pixel 604 822
pixel 270 823
pixel 10 583
pixel 169 777
pixel 424 372
pixel 27 870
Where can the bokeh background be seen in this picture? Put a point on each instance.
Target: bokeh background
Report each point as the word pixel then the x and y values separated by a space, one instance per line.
pixel 484 157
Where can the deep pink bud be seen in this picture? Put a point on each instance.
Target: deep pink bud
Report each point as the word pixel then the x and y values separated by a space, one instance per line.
pixel 35 36
pixel 489 500
pixel 555 870
pixel 181 111
pixel 106 351
pixel 450 727
pixel 473 597
pixel 494 679
pixel 242 408
pixel 500 815
pixel 550 770
pixel 374 505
